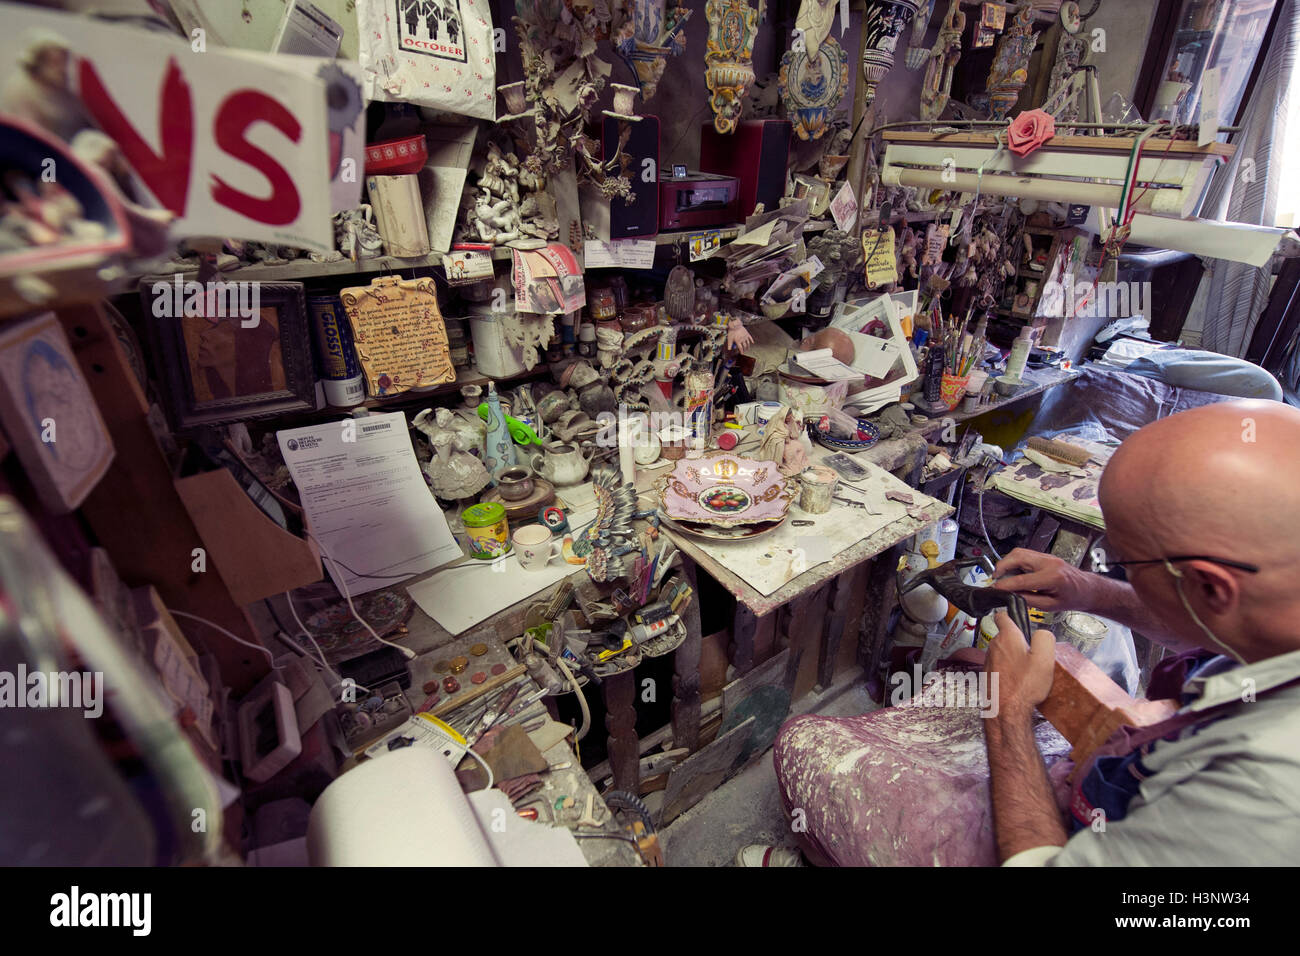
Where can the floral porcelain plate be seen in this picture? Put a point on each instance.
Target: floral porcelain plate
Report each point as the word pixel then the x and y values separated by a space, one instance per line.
pixel 725 490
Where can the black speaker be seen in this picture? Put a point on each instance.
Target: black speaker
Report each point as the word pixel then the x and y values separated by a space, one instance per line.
pixel 757 153
pixel 614 218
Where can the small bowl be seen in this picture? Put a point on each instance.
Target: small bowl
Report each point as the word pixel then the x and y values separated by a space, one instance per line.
pixel 515 484
pixel 1006 386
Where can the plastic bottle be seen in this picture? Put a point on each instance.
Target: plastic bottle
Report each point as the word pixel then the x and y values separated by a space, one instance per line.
pixel 1020 353
pixel 500 448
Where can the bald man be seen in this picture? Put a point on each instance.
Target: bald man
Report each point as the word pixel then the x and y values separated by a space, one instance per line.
pixel 1203 519
pixel 1203 516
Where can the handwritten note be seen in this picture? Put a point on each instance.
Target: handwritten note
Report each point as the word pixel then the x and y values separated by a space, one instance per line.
pixel 882 263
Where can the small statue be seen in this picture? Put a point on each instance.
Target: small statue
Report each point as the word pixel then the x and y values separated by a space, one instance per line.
pixel 453 471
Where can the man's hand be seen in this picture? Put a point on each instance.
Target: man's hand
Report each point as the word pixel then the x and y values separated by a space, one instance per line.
pixel 1024 672
pixel 1045 580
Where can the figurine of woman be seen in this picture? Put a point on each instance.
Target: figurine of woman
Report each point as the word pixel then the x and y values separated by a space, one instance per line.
pixel 453 471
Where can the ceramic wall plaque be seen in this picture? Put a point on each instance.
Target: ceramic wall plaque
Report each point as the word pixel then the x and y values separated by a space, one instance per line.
pixel 399 334
pixel 885 20
pixel 728 65
pixel 814 22
pixel 1010 69
pixel 943 60
pixel 812 85
pixel 654 32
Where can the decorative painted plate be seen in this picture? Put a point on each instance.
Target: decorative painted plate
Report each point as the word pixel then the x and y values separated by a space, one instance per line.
pixel 812 86
pixel 865 428
pixel 713 533
pixel 725 490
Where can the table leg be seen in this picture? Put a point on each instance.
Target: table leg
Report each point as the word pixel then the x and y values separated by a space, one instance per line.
pixel 686 673
pixel 836 622
pixel 620 721
pixel 743 630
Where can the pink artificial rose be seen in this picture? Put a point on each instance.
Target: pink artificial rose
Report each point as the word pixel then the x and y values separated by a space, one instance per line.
pixel 1030 130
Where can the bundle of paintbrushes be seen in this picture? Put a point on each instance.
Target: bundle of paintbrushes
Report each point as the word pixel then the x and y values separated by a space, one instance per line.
pixel 961 347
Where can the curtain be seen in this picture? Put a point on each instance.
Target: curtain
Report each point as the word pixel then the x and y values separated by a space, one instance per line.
pixel 1237 293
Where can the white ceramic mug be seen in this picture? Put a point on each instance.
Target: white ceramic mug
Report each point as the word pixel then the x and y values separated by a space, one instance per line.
pixel 535 546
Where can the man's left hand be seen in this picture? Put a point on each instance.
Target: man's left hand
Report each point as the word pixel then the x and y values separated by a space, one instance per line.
pixel 1024 672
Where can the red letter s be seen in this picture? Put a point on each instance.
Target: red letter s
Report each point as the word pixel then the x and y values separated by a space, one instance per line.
pixel 236 114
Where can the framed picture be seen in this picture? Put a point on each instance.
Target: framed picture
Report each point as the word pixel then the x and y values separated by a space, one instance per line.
pixel 230 351
pixel 50 414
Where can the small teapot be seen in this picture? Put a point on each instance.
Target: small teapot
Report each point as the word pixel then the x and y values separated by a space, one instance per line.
pixel 563 463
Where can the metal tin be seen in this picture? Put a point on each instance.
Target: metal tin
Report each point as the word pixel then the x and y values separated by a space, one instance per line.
pixel 487 530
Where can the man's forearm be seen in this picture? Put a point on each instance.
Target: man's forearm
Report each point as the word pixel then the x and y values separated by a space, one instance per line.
pixel 1025 814
pixel 1117 601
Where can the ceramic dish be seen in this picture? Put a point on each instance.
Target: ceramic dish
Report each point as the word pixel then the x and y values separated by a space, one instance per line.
pixel 724 490
pixel 712 533
pixel 849 444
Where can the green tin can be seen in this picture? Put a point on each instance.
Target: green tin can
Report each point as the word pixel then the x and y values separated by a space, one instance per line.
pixel 487 530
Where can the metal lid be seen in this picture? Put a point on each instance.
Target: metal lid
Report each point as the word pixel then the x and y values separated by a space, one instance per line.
pixel 483 514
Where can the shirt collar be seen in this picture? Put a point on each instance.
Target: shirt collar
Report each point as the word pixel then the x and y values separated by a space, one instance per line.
pixel 1221 680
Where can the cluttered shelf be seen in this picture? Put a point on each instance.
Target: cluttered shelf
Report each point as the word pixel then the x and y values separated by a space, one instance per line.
pixel 1036 381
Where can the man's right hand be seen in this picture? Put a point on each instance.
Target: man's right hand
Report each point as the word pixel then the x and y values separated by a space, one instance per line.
pixel 1045 581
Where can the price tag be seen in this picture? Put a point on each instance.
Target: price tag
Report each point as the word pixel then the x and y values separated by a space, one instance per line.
pixel 936 238
pixel 845 209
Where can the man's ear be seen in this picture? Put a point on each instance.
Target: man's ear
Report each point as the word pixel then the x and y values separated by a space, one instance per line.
pixel 1216 586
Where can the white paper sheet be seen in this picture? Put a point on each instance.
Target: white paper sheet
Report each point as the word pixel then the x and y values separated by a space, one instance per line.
pixel 366 500
pixel 467 594
pixel 621 253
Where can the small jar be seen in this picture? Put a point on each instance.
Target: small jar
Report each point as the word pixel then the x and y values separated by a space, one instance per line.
pixel 587 340
pixel 638 317
pixel 602 307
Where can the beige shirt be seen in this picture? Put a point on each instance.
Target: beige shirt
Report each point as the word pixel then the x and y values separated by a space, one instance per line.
pixel 1224 794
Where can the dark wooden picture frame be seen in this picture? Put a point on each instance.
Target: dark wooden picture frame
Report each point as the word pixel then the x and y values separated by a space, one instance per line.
pixel 225 372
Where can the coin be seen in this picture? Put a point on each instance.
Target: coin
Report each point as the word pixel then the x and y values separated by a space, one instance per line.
pixel 498 668
pixel 479 678
pixel 478 650
pixel 442 666
pixel 458 664
pixel 430 686
pixel 450 685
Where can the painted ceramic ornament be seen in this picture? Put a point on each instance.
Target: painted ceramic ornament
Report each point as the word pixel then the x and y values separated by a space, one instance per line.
pixel 918 55
pixel 726 490
pixel 943 58
pixel 885 20
pixel 814 22
pixel 729 70
pixel 812 85
pixel 1010 69
pixel 654 33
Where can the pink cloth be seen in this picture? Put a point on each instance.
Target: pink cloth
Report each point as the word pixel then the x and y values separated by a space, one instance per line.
pixel 901 786
pixel 1029 130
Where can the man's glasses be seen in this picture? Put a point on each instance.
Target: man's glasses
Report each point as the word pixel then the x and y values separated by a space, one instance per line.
pixel 1116 569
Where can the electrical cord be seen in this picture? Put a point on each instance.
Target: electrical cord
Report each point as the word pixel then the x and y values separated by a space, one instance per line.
pixel 238 640
pixel 582 698
pixel 347 596
pixel 483 763
pixel 980 495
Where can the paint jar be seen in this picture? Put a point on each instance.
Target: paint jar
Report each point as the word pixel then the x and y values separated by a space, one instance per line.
pixel 817 489
pixel 486 530
pixel 1084 631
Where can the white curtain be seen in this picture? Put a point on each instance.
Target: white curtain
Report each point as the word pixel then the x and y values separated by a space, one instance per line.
pixel 1246 190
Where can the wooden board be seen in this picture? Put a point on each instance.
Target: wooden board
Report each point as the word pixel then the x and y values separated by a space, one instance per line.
pixel 702 773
